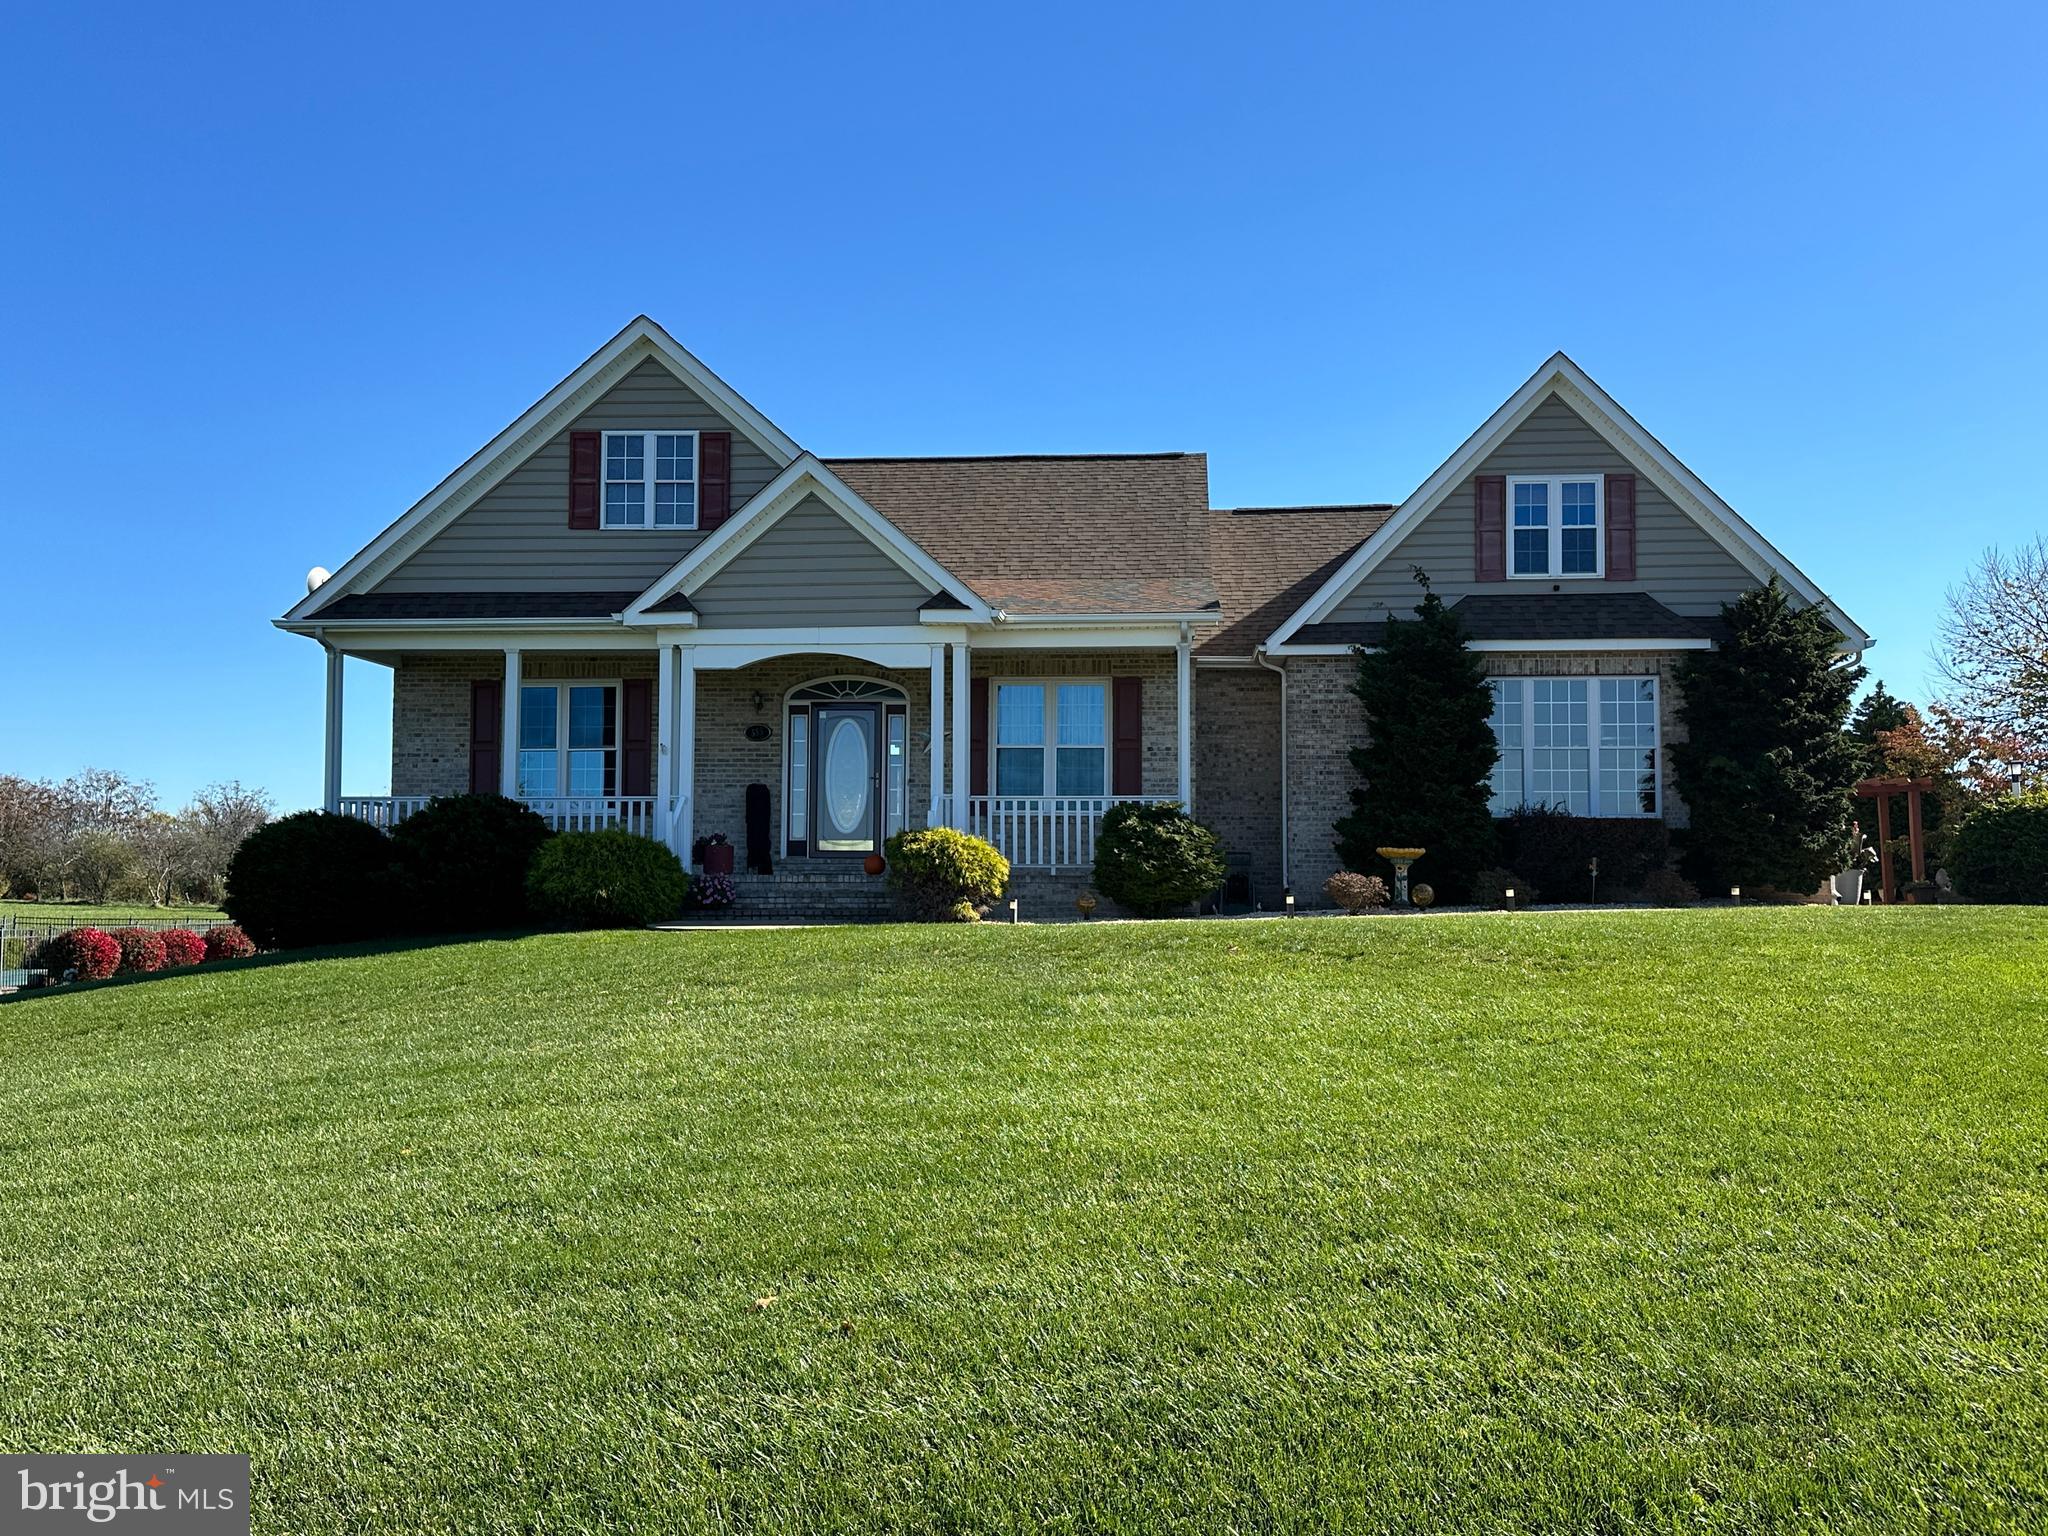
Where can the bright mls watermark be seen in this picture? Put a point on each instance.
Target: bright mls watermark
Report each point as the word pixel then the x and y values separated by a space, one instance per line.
pixel 167 1495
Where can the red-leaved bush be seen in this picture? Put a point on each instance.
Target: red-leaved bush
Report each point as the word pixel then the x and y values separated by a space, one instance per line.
pixel 227 942
pixel 182 947
pixel 141 951
pixel 91 953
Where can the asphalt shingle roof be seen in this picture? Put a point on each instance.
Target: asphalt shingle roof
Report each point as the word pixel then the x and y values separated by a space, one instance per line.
pixel 478 605
pixel 1268 560
pixel 1541 616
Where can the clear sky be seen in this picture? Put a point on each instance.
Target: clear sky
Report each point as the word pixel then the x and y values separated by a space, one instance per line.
pixel 269 273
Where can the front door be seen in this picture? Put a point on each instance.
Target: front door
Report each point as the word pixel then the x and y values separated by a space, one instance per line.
pixel 846 778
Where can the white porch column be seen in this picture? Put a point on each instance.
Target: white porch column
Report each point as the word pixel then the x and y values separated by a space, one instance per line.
pixel 685 768
pixel 508 745
pixel 962 732
pixel 936 816
pixel 664 743
pixel 1183 723
pixel 332 797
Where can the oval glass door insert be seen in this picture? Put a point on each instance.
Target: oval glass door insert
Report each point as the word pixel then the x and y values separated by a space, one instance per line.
pixel 848 765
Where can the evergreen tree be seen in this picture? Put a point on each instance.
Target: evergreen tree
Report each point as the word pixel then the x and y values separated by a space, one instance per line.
pixel 1427 755
pixel 1767 769
pixel 1878 711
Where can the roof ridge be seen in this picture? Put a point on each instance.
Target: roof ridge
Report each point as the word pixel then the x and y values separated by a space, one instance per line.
pixel 1312 506
pixel 1003 458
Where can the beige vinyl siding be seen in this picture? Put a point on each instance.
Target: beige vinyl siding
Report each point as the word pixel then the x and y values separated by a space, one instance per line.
pixel 1677 561
pixel 812 567
pixel 517 538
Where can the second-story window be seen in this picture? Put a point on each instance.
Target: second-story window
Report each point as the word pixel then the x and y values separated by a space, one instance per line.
pixel 650 480
pixel 1556 528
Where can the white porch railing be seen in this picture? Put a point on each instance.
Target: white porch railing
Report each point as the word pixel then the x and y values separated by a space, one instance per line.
pixel 1045 831
pixel 382 811
pixel 633 813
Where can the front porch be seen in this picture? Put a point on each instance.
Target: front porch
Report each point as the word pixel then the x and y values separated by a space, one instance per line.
pixel 809 752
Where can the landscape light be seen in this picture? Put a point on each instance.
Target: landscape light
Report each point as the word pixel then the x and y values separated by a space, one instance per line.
pixel 1287 898
pixel 1013 909
pixel 1735 893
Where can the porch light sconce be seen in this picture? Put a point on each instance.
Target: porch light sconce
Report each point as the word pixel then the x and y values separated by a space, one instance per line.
pixel 760 701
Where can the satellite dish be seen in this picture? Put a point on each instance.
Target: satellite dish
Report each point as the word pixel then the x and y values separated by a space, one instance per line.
pixel 315 578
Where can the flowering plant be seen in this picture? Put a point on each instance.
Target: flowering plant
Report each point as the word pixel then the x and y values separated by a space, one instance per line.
pixel 715 891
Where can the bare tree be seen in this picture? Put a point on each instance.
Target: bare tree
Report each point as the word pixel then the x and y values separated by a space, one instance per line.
pixel 102 865
pixel 1993 646
pixel 169 854
pixel 220 816
pixel 33 823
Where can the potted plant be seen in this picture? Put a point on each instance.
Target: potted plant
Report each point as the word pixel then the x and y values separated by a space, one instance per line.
pixel 718 854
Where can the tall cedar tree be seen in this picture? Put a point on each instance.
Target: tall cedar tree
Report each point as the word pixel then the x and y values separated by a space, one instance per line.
pixel 1767 768
pixel 1428 755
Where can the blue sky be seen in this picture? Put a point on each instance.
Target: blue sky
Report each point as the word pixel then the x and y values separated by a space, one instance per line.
pixel 272 272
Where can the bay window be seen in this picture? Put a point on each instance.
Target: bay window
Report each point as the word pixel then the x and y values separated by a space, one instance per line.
pixel 1587 745
pixel 1556 525
pixel 650 480
pixel 1051 738
pixel 568 740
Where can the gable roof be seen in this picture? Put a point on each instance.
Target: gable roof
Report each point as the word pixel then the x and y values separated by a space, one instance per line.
pixel 802 479
pixel 640 340
pixel 1056 534
pixel 1268 559
pixel 1562 377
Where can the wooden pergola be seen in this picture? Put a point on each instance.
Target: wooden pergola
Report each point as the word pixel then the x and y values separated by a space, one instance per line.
pixel 1882 790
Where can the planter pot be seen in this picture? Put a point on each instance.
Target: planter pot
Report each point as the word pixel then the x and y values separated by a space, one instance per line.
pixel 1848 888
pixel 718 859
pixel 874 864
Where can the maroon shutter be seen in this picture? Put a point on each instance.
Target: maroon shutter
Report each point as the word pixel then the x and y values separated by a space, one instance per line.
pixel 1489 527
pixel 714 478
pixel 486 721
pixel 636 737
pixel 1621 527
pixel 1127 768
pixel 583 473
pixel 977 736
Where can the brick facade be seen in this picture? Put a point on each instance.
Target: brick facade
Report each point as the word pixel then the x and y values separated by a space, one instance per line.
pixel 1237 758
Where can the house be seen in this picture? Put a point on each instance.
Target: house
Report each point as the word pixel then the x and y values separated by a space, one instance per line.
pixel 643 598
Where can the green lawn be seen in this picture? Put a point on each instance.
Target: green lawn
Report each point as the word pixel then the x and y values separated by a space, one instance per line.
pixel 109 914
pixel 1706 1221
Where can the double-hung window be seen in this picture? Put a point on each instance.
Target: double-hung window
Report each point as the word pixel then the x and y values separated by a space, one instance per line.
pixel 1556 529
pixel 568 740
pixel 1587 745
pixel 650 480
pixel 1051 738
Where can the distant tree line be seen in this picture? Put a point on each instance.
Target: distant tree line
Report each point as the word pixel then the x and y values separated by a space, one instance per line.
pixel 101 836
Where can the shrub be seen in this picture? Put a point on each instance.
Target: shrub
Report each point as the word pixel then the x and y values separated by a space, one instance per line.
pixel 182 947
pixel 608 879
pixel 1156 859
pixel 2001 851
pixel 945 875
pixel 1353 891
pixel 227 942
pixel 141 951
pixel 465 859
pixel 1668 888
pixel 1553 848
pixel 90 953
pixel 1490 888
pixel 314 878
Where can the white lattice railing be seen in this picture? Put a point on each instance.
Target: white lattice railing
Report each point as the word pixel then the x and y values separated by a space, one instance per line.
pixel 1044 831
pixel 633 813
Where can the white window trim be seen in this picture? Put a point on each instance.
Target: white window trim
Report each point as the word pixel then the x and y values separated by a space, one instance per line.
pixel 562 685
pixel 647 481
pixel 1051 745
pixel 1555 529
pixel 1592 682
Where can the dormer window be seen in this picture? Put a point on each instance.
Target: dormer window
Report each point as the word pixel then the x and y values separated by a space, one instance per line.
pixel 650 480
pixel 1555 526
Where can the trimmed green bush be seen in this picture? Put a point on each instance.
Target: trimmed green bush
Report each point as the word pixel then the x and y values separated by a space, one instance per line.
pixel 1490 888
pixel 945 875
pixel 609 879
pixel 1156 859
pixel 2001 851
pixel 1668 888
pixel 314 878
pixel 1553 848
pixel 466 858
